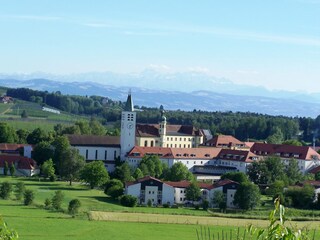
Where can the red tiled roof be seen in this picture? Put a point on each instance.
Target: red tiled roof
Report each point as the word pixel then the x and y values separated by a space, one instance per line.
pixel 152 130
pixel 139 152
pixel 11 146
pixel 315 170
pixel 20 161
pixel 236 155
pixel 146 178
pixel 92 140
pixel 196 153
pixel 223 183
pixel 224 140
pixel 288 151
pixel 180 153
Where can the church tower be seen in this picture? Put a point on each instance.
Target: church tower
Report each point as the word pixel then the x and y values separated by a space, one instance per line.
pixel 163 131
pixel 128 128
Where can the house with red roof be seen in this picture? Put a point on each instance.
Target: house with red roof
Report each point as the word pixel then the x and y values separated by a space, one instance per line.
pixel 201 161
pixel 16 149
pixel 225 141
pixel 24 166
pixel 166 192
pixel 306 156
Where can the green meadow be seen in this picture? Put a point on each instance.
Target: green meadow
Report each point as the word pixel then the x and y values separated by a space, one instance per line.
pixel 102 218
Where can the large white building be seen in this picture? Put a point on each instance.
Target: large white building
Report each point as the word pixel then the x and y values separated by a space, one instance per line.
pixel 103 148
pixel 160 192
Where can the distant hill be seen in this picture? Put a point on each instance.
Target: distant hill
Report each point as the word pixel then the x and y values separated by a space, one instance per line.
pixel 203 100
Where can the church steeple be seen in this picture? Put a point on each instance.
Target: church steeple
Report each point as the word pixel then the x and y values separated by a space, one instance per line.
pixel 128 128
pixel 129 104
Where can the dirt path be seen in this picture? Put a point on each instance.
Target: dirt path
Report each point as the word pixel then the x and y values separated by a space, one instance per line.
pixel 183 219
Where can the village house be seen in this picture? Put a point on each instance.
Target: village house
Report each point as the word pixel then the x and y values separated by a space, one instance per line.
pixel 306 156
pixel 16 149
pixel 162 192
pixel 24 166
pixel 225 141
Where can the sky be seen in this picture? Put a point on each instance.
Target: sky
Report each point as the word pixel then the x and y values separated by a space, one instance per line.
pixel 270 43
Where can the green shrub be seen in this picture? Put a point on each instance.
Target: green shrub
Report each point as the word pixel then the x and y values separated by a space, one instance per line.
pixel 128 201
pixel 74 206
pixel 57 200
pixel 47 203
pixel 149 203
pixel 205 205
pixel 28 197
pixel 19 190
pixel 5 190
pixel 165 205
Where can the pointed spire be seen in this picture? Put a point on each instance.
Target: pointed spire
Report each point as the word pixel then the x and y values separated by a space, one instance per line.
pixel 129 104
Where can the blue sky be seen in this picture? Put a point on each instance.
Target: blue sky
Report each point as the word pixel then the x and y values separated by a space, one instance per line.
pixel 272 43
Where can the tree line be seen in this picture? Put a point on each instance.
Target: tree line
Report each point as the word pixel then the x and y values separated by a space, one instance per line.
pixel 242 125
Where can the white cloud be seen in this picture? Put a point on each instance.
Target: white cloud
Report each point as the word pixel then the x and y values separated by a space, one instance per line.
pixel 199 69
pixel 160 67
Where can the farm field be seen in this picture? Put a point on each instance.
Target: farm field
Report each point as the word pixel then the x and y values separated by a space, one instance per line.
pixel 109 219
pixel 10 113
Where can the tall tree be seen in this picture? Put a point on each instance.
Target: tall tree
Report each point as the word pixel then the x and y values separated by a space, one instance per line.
pixel 42 152
pixel 247 196
pixel 72 164
pixel 235 176
pixel 179 172
pixel 7 134
pixel 22 135
pixel 37 135
pixel 193 192
pixel 151 165
pixel 47 169
pixel 60 145
pixel 293 172
pixel 123 173
pixel 95 174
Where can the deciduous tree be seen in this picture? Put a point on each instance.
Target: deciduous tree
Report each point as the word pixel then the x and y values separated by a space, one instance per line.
pixel 247 196
pixel 95 174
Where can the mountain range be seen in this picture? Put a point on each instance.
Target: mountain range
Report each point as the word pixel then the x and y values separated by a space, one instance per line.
pixel 185 91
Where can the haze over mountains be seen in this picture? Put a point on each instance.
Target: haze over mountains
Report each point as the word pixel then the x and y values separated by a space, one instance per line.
pixel 185 91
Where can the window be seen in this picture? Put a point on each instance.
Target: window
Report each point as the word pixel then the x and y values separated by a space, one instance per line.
pixel 105 155
pixel 185 139
pixel 96 154
pixel 115 154
pixel 87 154
pixel 146 143
pixel 151 144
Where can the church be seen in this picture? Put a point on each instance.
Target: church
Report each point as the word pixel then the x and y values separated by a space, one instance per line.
pixel 108 148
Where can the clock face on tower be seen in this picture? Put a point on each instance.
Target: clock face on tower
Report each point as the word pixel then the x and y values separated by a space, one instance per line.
pixel 130 125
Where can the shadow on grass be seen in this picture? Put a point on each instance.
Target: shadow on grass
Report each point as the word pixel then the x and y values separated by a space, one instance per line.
pixel 63 188
pixel 105 199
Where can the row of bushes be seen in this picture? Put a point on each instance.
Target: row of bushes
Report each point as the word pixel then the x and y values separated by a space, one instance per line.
pixel 28 197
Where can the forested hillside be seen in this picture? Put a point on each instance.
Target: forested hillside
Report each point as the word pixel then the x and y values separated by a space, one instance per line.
pixel 242 125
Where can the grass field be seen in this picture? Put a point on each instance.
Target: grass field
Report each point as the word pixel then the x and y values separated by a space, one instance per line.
pixel 110 220
pixel 10 113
